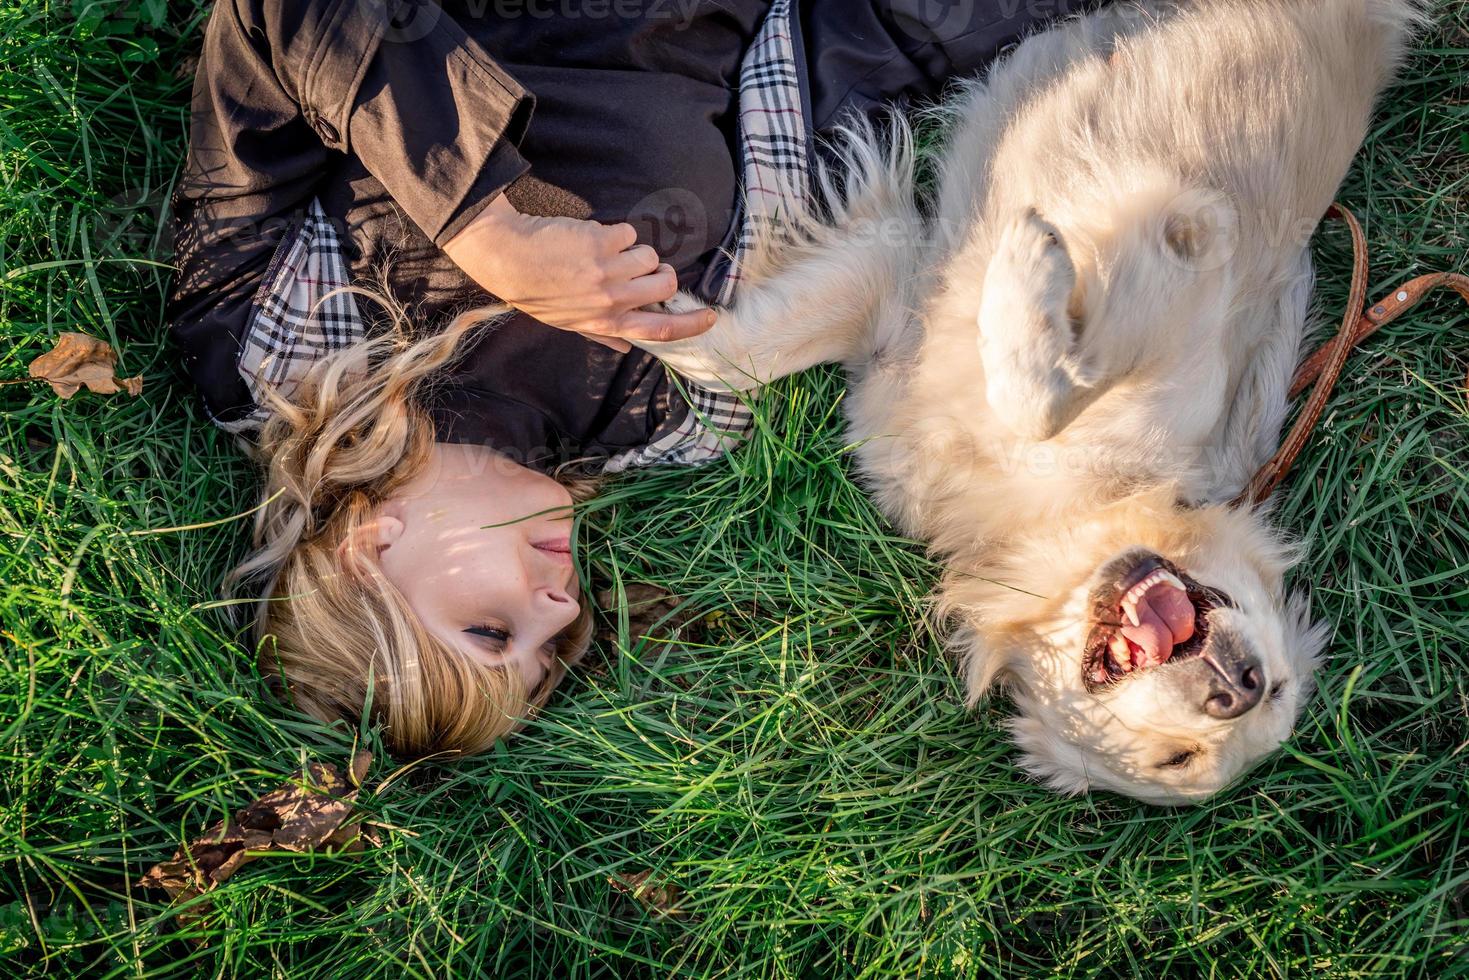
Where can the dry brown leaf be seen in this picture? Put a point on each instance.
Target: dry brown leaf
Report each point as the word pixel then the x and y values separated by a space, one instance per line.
pixel 656 896
pixel 357 771
pixel 78 359
pixel 647 605
pixel 305 814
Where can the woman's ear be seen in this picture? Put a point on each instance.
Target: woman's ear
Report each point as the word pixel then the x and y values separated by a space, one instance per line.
pixel 367 542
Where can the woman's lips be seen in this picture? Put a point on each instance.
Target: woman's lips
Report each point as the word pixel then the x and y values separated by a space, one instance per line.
pixel 557 548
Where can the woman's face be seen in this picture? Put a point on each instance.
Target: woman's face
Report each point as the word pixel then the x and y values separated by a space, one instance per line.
pixel 481 548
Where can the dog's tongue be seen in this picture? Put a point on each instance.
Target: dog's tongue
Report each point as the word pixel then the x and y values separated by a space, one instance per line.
pixel 1165 617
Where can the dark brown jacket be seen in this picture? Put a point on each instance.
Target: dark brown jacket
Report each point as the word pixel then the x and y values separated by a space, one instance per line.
pixel 405 119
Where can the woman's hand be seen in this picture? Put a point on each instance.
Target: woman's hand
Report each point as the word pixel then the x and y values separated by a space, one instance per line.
pixel 581 276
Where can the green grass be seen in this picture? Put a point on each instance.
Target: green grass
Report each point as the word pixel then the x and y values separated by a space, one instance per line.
pixel 803 771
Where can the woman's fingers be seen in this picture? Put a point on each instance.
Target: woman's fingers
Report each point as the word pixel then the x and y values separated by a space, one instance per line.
pixel 640 260
pixel 638 279
pixel 660 327
pixel 575 275
pixel 655 287
pixel 617 238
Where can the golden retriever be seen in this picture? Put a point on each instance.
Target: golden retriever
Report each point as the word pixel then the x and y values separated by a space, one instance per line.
pixel 1066 366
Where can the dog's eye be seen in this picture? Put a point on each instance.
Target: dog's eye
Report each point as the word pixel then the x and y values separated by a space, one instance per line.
pixel 1276 690
pixel 1179 759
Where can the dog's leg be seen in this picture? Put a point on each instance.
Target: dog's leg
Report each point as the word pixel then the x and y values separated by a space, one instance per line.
pixel 820 309
pixel 817 290
pixel 1035 380
pixel 807 315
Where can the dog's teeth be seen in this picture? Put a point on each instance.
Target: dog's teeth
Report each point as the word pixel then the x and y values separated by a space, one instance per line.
pixel 1130 600
pixel 1136 592
pixel 1173 580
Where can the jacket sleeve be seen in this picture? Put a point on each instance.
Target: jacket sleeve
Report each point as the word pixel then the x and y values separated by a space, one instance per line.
pixel 282 86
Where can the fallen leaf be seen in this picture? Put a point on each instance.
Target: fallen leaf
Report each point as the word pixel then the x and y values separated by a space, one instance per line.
pixel 309 813
pixel 78 359
pixel 656 896
pixel 647 606
pixel 357 771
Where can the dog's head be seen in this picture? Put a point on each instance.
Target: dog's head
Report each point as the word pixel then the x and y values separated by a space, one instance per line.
pixel 1157 656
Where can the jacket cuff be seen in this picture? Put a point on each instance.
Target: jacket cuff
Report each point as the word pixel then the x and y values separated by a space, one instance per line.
pixel 503 168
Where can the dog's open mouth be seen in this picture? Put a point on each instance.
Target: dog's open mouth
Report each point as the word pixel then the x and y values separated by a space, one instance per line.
pixel 1147 613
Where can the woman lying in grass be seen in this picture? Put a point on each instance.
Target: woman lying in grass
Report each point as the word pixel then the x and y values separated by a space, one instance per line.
pixel 413 548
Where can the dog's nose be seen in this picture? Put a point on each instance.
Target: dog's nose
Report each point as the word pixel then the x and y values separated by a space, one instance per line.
pixel 1235 687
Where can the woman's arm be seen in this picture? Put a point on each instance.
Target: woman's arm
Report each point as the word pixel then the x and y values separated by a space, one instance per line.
pixel 581 276
pixel 285 84
pixel 281 88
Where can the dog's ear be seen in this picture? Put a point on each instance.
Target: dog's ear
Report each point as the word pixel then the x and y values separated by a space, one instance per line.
pixel 984 667
pixel 1051 759
pixel 1305 640
pixel 1200 229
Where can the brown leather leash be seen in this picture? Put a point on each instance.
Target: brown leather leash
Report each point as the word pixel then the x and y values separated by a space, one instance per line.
pixel 1324 366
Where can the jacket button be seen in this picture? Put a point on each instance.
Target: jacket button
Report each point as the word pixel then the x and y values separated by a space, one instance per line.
pixel 326 131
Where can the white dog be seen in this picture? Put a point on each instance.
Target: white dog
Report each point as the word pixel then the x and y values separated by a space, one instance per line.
pixel 1065 372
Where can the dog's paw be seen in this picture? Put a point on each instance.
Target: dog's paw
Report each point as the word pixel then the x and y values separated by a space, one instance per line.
pixel 1031 246
pixel 680 302
pixel 678 352
pixel 1027 342
pixel 717 359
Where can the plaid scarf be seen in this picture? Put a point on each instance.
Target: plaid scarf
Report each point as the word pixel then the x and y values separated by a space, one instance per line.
pixel 301 313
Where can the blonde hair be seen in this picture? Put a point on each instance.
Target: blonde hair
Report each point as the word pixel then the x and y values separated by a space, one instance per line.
pixel 336 637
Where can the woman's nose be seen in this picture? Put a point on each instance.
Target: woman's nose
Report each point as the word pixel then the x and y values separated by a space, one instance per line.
pixel 557 604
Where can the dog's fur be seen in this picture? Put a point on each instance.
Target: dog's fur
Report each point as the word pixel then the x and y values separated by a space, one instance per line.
pixel 1082 353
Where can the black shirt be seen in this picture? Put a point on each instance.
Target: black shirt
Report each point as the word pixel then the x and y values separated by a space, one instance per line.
pixel 405 119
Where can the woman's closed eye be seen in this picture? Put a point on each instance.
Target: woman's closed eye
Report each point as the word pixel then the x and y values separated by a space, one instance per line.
pixel 501 637
pixel 495 633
